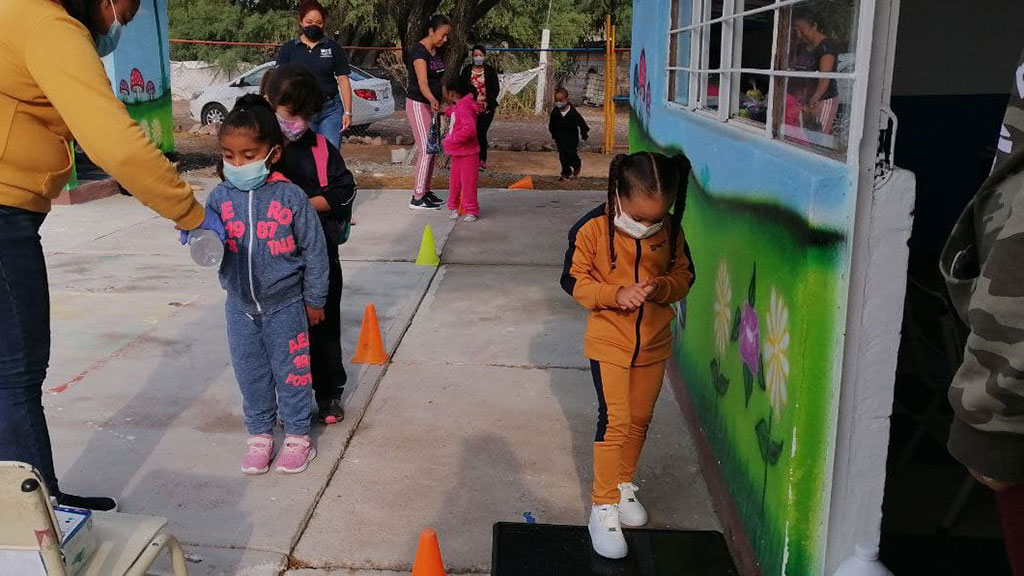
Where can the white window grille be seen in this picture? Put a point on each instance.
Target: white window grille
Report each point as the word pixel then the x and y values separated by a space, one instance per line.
pixel 782 68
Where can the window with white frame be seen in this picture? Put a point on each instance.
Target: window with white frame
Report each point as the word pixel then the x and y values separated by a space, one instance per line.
pixel 781 67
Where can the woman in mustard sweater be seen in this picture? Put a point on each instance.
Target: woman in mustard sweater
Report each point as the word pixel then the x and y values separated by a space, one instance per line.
pixel 53 86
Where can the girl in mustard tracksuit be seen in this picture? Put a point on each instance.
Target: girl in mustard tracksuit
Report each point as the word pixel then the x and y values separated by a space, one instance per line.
pixel 627 262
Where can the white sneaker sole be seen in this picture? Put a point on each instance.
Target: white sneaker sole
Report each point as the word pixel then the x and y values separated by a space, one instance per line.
pixel 283 470
pixel 256 471
pixel 610 556
pixel 424 207
pixel 627 524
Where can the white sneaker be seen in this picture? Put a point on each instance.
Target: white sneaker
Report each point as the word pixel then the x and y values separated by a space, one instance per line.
pixel 631 512
pixel 470 218
pixel 454 214
pixel 606 532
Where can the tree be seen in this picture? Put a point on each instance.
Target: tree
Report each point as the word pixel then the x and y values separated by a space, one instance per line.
pixel 413 19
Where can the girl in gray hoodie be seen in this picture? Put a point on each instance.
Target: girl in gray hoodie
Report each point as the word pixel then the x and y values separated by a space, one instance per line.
pixel 275 272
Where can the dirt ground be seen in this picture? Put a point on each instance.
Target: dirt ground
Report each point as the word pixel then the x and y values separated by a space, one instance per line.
pixel 516 152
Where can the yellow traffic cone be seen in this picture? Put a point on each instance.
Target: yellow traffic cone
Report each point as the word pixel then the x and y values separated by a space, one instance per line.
pixel 428 253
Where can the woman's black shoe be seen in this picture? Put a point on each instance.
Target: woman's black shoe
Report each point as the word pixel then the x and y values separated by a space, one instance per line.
pixel 98 504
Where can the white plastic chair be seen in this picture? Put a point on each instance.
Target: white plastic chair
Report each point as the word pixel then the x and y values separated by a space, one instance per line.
pixel 126 544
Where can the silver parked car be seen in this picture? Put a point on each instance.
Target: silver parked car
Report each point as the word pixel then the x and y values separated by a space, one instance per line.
pixel 371 97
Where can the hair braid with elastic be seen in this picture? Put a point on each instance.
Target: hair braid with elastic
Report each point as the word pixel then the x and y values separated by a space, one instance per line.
pixel 614 173
pixel 682 165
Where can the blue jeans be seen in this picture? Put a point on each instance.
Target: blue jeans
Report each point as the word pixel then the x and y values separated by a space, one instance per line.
pixel 271 357
pixel 328 122
pixel 24 343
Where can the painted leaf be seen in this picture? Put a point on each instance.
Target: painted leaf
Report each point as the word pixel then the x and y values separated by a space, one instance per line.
pixel 720 382
pixel 736 319
pixel 774 452
pixel 748 385
pixel 753 286
pixel 770 451
pixel 760 375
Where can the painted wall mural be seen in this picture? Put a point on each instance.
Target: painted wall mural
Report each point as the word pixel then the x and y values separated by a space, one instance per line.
pixel 760 338
pixel 139 72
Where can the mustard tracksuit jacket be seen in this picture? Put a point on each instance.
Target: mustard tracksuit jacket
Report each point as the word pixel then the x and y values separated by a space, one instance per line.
pixel 641 337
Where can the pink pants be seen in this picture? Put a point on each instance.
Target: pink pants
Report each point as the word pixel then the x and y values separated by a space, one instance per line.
pixel 465 173
pixel 420 116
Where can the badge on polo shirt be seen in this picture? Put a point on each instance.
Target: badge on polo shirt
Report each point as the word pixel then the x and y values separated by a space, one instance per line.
pixel 325 52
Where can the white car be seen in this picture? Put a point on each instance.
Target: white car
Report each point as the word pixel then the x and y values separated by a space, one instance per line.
pixel 371 97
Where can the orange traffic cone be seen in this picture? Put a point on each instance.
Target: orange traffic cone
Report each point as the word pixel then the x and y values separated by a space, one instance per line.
pixel 524 184
pixel 428 556
pixel 462 209
pixel 370 348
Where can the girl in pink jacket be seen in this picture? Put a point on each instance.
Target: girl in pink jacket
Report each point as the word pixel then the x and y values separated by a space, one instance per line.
pixel 462 145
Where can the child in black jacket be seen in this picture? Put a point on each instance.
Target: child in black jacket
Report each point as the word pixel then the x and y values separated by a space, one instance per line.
pixel 293 92
pixel 567 127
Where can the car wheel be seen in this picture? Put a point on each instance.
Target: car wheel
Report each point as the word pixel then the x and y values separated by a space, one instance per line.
pixel 214 113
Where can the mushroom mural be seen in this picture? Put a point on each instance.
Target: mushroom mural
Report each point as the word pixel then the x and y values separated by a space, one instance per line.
pixel 139 73
pixel 138 85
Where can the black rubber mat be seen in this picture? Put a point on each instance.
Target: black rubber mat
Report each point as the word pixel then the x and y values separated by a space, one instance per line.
pixel 551 550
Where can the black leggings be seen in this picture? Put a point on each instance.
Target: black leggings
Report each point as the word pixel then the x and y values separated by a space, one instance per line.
pixel 483 124
pixel 328 368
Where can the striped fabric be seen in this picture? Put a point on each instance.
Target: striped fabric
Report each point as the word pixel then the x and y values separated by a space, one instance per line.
pixel 419 115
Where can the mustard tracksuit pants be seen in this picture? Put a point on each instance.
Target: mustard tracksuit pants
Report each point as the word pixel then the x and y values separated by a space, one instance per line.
pixel 626 398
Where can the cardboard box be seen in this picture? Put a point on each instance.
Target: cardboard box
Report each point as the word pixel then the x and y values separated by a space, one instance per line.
pixel 77 543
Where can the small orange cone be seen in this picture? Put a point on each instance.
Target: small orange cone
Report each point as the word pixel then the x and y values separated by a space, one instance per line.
pixel 428 556
pixel 462 209
pixel 524 184
pixel 370 348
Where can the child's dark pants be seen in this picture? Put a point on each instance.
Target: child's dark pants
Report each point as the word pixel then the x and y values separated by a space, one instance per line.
pixel 569 156
pixel 329 377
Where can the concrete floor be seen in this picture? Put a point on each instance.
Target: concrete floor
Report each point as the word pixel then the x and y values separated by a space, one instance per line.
pixel 486 412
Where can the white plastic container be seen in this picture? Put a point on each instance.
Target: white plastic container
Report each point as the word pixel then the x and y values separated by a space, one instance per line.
pixel 864 562
pixel 206 248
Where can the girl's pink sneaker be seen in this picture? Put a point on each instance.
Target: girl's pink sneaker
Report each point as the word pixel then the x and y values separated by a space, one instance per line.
pixel 295 456
pixel 257 454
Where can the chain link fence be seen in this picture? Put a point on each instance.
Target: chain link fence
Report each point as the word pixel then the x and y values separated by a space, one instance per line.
pixel 207 77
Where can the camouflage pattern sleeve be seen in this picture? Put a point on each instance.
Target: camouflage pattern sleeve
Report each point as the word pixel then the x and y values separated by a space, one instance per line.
pixel 983 264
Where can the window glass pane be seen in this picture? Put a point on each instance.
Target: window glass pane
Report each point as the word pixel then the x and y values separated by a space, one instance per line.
pixel 682 13
pixel 711 46
pixel 679 87
pixel 753 40
pixel 256 77
pixel 712 92
pixel 679 81
pixel 752 102
pixel 822 125
pixel 713 37
pixel 822 36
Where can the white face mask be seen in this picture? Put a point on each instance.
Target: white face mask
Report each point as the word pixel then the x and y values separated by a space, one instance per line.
pixel 627 224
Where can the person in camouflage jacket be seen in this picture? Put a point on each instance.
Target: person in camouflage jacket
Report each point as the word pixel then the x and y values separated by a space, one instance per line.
pixel 983 264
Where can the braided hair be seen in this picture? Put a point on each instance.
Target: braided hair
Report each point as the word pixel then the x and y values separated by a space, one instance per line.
pixel 653 174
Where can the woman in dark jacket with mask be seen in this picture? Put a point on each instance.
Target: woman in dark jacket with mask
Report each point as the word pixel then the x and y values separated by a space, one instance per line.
pixel 327 61
pixel 484 78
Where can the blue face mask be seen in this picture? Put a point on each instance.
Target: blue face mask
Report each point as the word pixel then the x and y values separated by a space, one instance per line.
pixel 248 176
pixel 106 43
